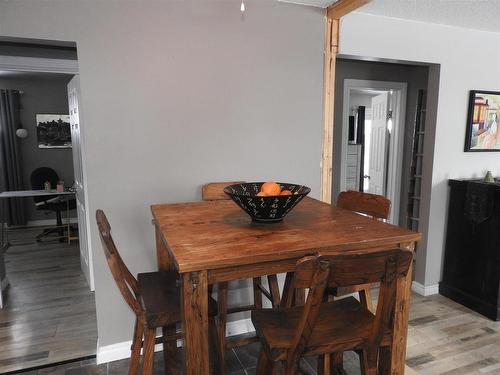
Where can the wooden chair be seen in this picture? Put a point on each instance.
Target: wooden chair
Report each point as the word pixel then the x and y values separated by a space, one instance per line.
pixel 154 297
pixel 373 205
pixel 376 206
pixel 316 328
pixel 211 192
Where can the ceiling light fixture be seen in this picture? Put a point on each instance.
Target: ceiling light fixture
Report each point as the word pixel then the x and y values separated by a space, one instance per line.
pixel 242 7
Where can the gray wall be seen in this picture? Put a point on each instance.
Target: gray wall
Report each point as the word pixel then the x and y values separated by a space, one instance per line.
pixel 179 93
pixel 43 93
pixel 414 76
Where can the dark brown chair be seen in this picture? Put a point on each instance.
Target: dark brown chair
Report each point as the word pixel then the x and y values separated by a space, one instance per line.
pixel 154 297
pixel 291 332
pixel 215 191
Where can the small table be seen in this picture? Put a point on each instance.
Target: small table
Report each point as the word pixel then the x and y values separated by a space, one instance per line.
pixel 4 242
pixel 211 242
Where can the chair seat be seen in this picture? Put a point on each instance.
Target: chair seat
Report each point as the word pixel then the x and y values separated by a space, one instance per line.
pixel 341 325
pixel 161 298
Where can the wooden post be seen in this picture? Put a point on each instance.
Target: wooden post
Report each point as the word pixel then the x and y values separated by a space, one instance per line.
pixel 331 49
pixel 341 7
pixel 333 14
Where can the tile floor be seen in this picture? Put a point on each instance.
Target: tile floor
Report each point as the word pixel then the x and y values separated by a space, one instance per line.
pixel 241 361
pixel 444 338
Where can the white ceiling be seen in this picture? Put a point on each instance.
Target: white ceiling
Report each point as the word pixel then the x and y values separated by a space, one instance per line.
pixel 471 14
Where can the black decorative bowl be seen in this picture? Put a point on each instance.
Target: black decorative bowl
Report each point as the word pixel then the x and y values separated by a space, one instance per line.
pixel 266 209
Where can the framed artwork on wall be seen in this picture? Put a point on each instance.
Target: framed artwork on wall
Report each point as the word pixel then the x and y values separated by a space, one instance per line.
pixel 53 131
pixel 482 133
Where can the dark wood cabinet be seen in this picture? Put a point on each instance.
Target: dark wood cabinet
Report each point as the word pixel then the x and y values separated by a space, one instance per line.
pixel 471 270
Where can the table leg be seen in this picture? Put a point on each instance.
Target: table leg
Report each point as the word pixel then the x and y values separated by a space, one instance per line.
pixel 68 224
pixel 195 323
pixel 397 353
pixel 164 259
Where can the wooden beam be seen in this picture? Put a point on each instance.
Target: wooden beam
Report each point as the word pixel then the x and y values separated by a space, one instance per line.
pixel 331 49
pixel 342 7
pixel 333 15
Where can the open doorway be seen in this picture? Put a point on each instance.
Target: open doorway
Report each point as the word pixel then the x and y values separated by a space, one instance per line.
pixel 358 81
pixel 48 307
pixel 373 136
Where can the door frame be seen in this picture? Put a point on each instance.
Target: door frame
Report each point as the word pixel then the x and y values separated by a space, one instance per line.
pixel 394 170
pixel 45 65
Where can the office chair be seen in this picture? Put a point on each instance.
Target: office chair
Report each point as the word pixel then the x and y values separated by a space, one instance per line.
pixel 50 202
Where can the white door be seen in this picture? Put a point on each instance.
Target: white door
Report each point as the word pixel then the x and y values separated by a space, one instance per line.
pixel 78 164
pixel 378 144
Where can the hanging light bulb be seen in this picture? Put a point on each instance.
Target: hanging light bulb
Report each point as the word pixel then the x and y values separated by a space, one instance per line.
pixel 242 7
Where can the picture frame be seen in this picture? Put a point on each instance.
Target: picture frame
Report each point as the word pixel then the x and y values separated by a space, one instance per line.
pixel 483 127
pixel 53 131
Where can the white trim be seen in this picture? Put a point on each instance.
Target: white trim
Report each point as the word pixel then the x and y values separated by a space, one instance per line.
pixel 239 327
pixel 121 350
pixel 394 173
pixel 424 290
pixel 38 64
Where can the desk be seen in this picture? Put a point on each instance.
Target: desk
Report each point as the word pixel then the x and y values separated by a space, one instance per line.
pixel 4 242
pixel 211 242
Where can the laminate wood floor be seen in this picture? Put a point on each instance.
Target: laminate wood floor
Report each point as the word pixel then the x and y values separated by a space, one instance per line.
pixel 449 339
pixel 49 315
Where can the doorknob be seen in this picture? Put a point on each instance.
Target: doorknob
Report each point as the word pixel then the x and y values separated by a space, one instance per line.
pixel 366 176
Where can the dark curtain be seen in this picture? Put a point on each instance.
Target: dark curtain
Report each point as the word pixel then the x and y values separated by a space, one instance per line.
pixel 11 172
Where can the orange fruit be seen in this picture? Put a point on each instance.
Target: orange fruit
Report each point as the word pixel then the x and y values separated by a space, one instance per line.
pixel 261 194
pixel 270 188
pixel 286 192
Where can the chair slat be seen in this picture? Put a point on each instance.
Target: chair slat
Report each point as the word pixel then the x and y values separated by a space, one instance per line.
pixel 214 191
pixel 373 205
pixel 126 282
pixel 357 269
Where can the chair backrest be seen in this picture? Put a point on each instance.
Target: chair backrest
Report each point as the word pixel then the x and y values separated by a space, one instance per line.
pixel 373 205
pixel 311 272
pixel 125 281
pixel 38 178
pixel 364 268
pixel 214 191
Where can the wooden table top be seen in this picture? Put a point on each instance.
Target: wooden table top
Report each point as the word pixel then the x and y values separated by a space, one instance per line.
pixel 219 234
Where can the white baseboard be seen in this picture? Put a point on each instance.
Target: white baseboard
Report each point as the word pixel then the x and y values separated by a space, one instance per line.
pixel 121 350
pixel 425 290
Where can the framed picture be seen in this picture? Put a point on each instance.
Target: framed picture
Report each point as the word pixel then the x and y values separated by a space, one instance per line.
pixel 53 131
pixel 482 133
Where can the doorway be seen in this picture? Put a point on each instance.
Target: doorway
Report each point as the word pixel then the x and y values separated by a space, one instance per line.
pixel 373 121
pixel 49 313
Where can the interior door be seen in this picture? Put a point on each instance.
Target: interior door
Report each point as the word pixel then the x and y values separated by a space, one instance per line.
pixel 78 164
pixel 378 144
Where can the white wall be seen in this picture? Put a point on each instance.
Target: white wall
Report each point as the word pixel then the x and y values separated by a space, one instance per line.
pixel 469 60
pixel 179 93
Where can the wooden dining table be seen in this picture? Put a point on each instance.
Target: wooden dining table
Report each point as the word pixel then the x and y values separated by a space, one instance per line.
pixel 212 242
